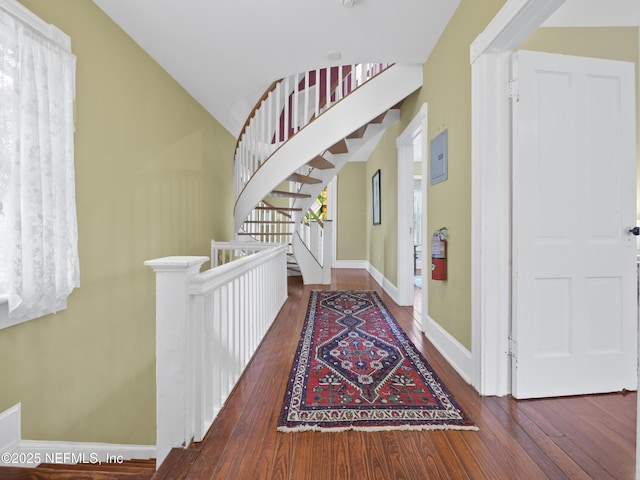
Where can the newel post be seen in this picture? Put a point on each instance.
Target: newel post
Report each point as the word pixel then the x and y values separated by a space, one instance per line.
pixel 327 252
pixel 173 378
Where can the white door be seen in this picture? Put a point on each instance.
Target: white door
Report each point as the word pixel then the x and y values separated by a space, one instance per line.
pixel 574 199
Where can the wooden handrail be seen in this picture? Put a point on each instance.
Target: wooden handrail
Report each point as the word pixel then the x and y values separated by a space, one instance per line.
pixel 316 217
pixel 255 108
pixel 281 212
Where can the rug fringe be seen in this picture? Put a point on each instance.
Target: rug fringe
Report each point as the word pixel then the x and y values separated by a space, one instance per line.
pixel 316 428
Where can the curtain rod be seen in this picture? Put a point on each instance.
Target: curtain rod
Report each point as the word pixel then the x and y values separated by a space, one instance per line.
pixel 26 16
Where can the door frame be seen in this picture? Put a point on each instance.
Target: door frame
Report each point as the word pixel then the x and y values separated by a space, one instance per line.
pixel 491 189
pixel 405 145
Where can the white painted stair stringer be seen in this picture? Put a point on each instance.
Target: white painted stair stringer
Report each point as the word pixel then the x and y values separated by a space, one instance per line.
pixel 309 266
pixel 358 108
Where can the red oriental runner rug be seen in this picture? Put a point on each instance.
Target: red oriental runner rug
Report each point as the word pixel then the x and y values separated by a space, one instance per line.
pixel 355 369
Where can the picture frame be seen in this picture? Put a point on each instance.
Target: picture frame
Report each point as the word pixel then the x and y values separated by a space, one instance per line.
pixel 376 198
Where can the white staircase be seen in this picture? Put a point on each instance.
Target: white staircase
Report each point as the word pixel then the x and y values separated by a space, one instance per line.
pixel 300 135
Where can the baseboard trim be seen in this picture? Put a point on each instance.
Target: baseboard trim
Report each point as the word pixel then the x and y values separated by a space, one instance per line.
pixel 386 285
pixel 451 349
pixel 359 264
pixel 75 452
pixel 10 426
pixel 30 453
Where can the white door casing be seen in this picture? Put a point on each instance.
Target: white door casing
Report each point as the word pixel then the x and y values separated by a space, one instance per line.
pixel 406 157
pixel 574 262
pixel 491 189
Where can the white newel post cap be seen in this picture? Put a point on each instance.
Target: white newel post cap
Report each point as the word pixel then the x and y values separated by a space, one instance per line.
pixel 176 263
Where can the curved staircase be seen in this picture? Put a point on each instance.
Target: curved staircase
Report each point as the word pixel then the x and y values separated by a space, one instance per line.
pixel 303 130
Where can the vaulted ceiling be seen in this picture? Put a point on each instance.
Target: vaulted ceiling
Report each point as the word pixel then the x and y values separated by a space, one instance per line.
pixel 226 54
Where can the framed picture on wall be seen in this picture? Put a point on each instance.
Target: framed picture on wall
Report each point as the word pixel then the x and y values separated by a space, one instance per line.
pixel 375 192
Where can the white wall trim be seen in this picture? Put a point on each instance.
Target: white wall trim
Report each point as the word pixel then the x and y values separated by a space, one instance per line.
pixel 359 264
pixel 384 282
pixel 406 157
pixel 10 428
pixel 75 452
pixel 29 453
pixel 515 21
pixel 451 349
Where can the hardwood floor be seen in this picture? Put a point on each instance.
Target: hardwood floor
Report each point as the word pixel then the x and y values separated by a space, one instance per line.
pixel 566 438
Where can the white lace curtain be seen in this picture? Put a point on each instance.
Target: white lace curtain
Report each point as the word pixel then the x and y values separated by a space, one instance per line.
pixel 37 181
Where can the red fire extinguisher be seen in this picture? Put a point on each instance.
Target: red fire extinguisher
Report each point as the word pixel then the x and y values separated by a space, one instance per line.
pixel 439 255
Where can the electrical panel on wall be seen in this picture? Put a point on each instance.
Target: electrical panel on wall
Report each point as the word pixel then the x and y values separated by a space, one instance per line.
pixel 439 157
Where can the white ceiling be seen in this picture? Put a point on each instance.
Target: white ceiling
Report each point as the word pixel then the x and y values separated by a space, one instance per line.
pixel 596 13
pixel 226 54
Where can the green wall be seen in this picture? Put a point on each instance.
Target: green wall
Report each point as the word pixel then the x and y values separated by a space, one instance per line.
pixel 153 178
pixel 352 215
pixel 447 91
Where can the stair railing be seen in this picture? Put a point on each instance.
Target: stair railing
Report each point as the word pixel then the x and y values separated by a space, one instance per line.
pixel 289 105
pixel 313 235
pixel 267 224
pixel 208 326
pixel 313 247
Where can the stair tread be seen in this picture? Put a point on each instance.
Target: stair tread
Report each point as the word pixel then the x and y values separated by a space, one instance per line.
pixel 282 193
pixel 379 118
pixel 269 222
pixel 263 233
pixel 320 163
pixel 339 147
pixel 359 133
pixel 298 177
pixel 284 209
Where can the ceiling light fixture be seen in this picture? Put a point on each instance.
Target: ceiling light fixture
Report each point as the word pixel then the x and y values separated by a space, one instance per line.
pixel 334 55
pixel 348 3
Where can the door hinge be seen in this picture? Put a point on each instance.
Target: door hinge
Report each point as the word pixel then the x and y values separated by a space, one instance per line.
pixel 513 348
pixel 512 89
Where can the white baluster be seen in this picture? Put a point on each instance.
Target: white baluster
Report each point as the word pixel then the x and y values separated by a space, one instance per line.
pixel 327 78
pixel 269 114
pixel 277 114
pixel 327 251
pixel 306 99
pixel 287 113
pixel 296 93
pixel 313 238
pixel 317 93
pixel 218 353
pixel 263 131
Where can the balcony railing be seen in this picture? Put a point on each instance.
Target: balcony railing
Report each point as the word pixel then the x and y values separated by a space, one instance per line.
pixel 208 326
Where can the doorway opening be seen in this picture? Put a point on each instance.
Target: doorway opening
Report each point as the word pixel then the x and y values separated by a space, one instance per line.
pixel 412 215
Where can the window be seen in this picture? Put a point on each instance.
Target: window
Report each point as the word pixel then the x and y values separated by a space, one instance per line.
pixel 38 227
